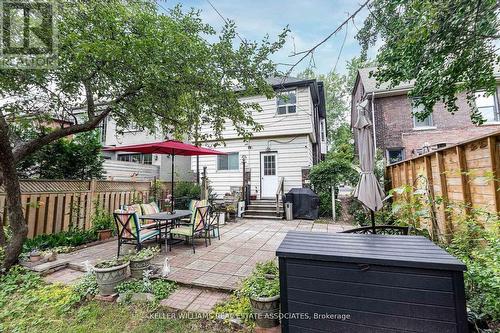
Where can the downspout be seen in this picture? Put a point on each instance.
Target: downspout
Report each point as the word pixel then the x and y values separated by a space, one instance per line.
pixel 373 123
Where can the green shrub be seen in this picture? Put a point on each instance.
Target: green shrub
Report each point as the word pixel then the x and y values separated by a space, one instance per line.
pixel 102 220
pixel 184 192
pixel 161 289
pixel 263 282
pixel 86 286
pixel 72 237
pixel 479 249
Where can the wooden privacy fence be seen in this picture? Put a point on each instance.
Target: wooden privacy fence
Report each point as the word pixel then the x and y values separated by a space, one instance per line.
pixel 464 175
pixel 51 206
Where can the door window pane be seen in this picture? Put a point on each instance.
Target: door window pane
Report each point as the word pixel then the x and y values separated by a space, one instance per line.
pixel 269 165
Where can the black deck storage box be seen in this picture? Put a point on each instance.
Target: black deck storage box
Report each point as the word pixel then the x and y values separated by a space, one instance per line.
pixel 305 203
pixel 369 283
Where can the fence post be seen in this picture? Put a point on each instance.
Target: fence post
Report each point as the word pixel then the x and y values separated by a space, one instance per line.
pixel 492 146
pixel 90 204
pixel 444 194
pixel 334 216
pixel 464 176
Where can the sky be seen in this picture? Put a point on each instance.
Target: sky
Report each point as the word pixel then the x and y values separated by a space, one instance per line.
pixel 309 21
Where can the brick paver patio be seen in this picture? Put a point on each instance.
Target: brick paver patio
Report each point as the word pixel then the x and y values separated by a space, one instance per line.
pixel 221 265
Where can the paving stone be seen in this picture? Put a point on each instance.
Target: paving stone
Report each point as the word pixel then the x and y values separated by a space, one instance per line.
pixel 235 259
pixel 65 276
pixel 216 280
pixel 202 265
pixel 226 268
pixel 206 301
pixel 184 275
pixel 181 298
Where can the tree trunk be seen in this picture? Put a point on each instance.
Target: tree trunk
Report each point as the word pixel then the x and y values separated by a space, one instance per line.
pixel 14 206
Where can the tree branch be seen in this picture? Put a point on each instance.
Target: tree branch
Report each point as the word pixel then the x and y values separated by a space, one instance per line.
pixel 31 146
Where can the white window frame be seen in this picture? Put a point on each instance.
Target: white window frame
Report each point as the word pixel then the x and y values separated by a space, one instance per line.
pixel 417 110
pixel 287 105
pixel 496 109
pixel 228 170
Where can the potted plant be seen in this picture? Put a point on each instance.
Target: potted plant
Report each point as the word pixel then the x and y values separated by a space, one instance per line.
pixel 231 212
pixel 141 260
pixel 262 287
pixel 102 223
pixel 109 274
pixel 35 255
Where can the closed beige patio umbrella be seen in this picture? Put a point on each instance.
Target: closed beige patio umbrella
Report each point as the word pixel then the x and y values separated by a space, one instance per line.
pixel 368 189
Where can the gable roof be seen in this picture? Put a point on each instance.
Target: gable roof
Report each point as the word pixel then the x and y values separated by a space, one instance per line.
pixel 370 83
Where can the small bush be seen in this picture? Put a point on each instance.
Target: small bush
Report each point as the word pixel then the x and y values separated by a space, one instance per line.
pixel 102 220
pixel 72 237
pixel 161 289
pixel 185 192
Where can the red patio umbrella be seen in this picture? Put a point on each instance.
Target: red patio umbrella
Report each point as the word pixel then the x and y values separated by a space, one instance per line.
pixel 169 147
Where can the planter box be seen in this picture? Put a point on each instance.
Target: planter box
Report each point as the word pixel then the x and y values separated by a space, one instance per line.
pixel 104 234
pixel 371 283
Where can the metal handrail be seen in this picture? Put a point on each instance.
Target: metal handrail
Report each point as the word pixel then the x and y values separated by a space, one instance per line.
pixel 279 194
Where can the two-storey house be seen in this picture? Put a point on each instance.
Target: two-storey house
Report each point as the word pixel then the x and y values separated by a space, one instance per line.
pixel 293 139
pixel 123 165
pixel 400 135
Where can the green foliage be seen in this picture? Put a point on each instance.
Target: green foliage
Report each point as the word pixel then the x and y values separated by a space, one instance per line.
pixel 336 169
pixel 479 249
pixel 475 241
pixel 111 263
pixel 447 47
pixel 237 306
pixel 26 301
pixel 184 192
pixel 72 237
pixel 102 220
pixel 161 289
pixel 144 253
pixel 78 158
pixel 263 282
pixel 87 286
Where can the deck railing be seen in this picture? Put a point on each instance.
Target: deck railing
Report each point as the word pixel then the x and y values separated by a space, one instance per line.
pixel 279 194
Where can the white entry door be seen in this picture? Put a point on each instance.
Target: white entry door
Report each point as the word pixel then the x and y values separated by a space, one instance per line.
pixel 269 174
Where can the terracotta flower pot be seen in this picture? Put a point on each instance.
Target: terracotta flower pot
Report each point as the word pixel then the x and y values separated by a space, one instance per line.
pixel 266 311
pixel 138 266
pixel 109 278
pixel 104 234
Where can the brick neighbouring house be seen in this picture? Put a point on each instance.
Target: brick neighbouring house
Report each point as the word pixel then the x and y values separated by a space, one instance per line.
pixel 400 136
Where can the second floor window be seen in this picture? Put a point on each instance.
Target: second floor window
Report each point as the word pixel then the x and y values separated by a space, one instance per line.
pixel 417 123
pixel 286 102
pixel 228 162
pixel 488 106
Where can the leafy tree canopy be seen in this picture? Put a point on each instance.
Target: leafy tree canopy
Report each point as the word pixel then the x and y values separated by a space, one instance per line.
pixel 67 158
pixel 447 47
pixel 123 59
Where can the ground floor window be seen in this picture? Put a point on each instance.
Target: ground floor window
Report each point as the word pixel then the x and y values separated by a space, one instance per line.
pixel 395 155
pixel 136 158
pixel 228 162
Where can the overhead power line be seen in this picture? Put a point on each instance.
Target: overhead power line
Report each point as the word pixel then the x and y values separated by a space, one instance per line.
pixel 310 51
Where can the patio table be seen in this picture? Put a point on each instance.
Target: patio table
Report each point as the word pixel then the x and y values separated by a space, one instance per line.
pixel 166 220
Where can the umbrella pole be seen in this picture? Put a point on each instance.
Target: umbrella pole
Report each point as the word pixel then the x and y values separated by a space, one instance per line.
pixel 172 185
pixel 372 215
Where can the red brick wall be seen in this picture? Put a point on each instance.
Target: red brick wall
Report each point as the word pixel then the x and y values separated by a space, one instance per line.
pixel 394 125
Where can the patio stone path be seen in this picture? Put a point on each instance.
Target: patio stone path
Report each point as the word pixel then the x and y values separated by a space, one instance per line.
pixel 221 265
pixel 194 299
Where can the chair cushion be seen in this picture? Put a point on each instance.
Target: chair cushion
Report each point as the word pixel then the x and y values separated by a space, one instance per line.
pixel 184 231
pixel 136 208
pixel 132 225
pixel 149 209
pixel 148 233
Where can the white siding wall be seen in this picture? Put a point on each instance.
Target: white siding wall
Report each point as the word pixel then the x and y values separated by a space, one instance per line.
pixel 274 124
pixel 294 154
pixel 182 163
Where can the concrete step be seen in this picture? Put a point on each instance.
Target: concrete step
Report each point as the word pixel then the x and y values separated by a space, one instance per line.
pixel 263 208
pixel 260 212
pixel 264 217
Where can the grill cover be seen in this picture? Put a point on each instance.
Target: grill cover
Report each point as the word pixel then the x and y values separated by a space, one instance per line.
pixel 305 203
